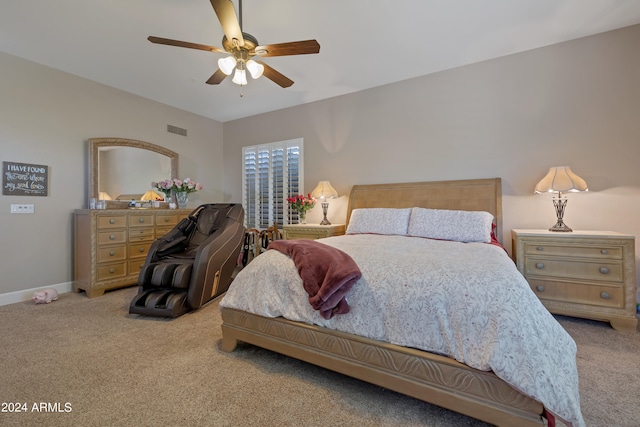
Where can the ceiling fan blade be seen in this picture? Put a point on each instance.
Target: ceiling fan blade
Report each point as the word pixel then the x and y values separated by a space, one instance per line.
pixel 228 20
pixel 178 43
pixel 291 48
pixel 216 78
pixel 275 76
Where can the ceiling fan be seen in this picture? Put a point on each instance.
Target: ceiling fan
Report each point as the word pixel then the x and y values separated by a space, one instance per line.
pixel 242 47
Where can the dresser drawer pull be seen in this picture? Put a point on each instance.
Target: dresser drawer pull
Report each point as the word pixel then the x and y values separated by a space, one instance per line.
pixel 112 236
pixel 605 295
pixel 540 288
pixel 141 249
pixel 604 270
pixel 112 253
pixel 112 221
pixel 604 251
pixel 539 266
pixel 112 270
pixel 539 248
pixel 141 220
pixel 166 220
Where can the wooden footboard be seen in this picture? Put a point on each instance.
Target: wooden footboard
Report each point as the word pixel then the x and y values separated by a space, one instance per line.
pixel 435 379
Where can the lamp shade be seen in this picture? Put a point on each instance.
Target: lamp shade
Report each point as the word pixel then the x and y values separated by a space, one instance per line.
pixel 324 190
pixel 151 195
pixel 255 69
pixel 103 195
pixel 240 77
pixel 227 64
pixel 561 179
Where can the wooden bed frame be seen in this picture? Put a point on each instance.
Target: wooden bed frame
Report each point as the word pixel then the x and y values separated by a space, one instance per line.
pixel 432 378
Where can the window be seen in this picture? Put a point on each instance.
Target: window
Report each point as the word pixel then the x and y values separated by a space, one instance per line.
pixel 270 174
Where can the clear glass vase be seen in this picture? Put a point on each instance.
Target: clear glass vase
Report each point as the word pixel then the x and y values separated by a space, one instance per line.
pixel 302 217
pixel 182 198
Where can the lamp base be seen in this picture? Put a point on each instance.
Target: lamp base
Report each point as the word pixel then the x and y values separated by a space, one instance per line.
pixel 560 204
pixel 561 226
pixel 325 206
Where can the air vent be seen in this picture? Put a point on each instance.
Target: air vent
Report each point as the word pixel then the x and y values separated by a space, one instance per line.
pixel 176 130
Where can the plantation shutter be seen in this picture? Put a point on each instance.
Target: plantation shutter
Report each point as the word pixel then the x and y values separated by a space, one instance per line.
pixel 271 173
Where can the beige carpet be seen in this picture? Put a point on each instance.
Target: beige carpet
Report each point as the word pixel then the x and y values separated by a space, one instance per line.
pixel 92 364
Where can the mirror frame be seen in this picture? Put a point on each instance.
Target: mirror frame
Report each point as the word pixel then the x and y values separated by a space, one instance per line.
pixel 94 146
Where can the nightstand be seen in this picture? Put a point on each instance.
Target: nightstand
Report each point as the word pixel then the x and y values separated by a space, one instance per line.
pixel 311 231
pixel 588 274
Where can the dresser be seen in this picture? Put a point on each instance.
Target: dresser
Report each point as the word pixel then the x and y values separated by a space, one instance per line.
pixel 111 245
pixel 589 274
pixel 311 231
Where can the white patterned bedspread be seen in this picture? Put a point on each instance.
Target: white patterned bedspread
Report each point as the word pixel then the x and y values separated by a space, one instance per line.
pixel 463 300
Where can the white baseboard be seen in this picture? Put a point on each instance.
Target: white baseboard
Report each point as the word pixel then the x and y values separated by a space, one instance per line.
pixel 27 294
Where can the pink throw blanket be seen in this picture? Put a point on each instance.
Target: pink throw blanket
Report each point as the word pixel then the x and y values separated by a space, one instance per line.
pixel 327 273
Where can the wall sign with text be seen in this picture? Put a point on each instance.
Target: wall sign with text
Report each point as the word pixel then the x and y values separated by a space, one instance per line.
pixel 24 179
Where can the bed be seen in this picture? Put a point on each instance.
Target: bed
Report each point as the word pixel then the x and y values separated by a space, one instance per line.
pixel 431 376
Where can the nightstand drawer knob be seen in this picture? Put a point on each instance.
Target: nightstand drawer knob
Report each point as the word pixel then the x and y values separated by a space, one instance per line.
pixel 539 248
pixel 605 295
pixel 540 288
pixel 539 266
pixel 112 237
pixel 112 253
pixel 112 221
pixel 604 270
pixel 604 251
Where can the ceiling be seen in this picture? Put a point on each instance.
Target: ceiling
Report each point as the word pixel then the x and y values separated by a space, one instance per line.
pixel 364 43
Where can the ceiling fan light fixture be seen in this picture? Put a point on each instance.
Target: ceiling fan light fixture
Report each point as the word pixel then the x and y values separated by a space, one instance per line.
pixel 227 64
pixel 255 69
pixel 240 77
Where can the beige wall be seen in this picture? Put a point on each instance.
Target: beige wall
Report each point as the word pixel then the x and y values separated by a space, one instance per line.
pixel 46 117
pixel 575 103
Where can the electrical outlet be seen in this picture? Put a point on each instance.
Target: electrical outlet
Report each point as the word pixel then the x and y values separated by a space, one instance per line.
pixel 22 209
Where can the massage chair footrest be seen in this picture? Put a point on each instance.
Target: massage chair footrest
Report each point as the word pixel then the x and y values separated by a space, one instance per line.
pixel 160 302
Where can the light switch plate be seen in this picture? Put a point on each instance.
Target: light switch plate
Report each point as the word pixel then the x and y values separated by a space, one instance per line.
pixel 22 209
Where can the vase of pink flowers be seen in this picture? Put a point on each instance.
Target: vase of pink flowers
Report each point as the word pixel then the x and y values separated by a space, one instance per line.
pixel 177 190
pixel 301 204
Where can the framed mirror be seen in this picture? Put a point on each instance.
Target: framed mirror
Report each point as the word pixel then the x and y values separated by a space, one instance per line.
pixel 121 170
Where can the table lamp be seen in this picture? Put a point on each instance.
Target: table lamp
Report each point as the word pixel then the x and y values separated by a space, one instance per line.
pixel 323 192
pixel 560 179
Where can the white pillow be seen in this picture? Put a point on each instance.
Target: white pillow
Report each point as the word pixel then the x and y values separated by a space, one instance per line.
pixel 379 221
pixel 459 226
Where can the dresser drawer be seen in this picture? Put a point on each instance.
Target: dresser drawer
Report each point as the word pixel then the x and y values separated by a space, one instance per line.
pixel 135 265
pixel 141 234
pixel 582 251
pixel 109 237
pixel 137 250
pixel 603 296
pixel 111 222
pixel 111 271
pixel 598 271
pixel 111 253
pixel 141 220
pixel 167 220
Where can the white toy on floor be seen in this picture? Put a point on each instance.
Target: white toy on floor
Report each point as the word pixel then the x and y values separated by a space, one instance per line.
pixel 45 296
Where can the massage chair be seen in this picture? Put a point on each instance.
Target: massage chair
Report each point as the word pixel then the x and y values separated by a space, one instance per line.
pixel 191 264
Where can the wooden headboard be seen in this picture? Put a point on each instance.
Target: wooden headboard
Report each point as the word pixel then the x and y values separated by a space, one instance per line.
pixel 467 195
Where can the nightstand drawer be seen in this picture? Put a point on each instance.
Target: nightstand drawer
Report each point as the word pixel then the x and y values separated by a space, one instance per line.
pixel 603 296
pixel 599 252
pixel 597 271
